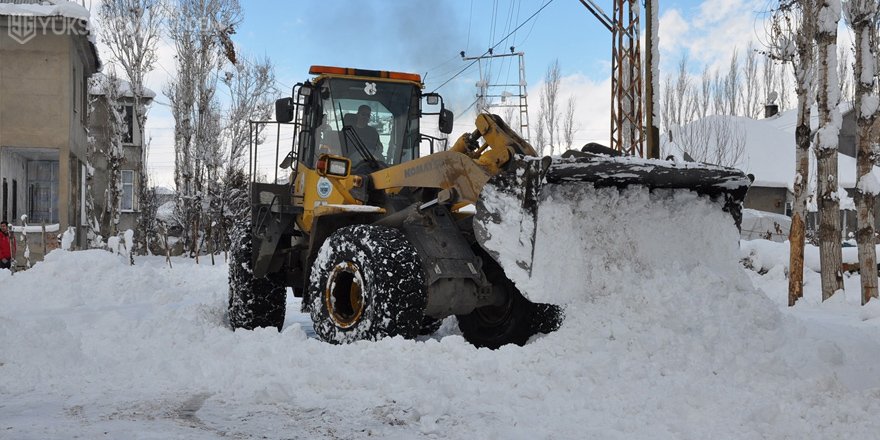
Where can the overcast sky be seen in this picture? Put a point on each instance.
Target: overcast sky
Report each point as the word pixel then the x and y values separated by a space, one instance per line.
pixel 426 36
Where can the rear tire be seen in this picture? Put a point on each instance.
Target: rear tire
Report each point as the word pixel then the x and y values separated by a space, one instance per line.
pixel 366 284
pixel 253 302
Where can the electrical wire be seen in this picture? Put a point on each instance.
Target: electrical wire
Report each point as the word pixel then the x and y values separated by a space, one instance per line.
pixel 496 45
pixel 470 106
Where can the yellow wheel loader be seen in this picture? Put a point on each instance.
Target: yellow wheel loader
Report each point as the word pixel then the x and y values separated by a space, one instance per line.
pixel 384 233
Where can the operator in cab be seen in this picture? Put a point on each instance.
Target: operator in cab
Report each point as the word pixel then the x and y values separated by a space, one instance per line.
pixel 368 135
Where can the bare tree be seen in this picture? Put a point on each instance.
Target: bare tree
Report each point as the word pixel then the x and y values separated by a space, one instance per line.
pixel 830 252
pixel 512 118
pixel 252 89
pixel 93 225
pixel 550 104
pixel 251 85
pixel 200 30
pixel 704 96
pixel 717 139
pixel 751 84
pixel 861 16
pixel 682 111
pixel 844 75
pixel 569 126
pixel 732 85
pixel 783 88
pixel 793 25
pixel 679 101
pixel 130 30
pixel 666 107
pixel 540 139
pixel 768 76
pixel 719 106
pixel 112 150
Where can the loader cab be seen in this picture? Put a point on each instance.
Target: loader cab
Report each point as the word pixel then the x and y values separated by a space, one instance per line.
pixel 378 110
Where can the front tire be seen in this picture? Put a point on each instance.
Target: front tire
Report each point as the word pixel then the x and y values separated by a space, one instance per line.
pixel 253 302
pixel 514 321
pixel 366 284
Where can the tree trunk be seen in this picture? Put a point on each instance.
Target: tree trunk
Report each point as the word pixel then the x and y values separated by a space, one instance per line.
pixel 803 64
pixel 830 253
pixel 799 205
pixel 861 14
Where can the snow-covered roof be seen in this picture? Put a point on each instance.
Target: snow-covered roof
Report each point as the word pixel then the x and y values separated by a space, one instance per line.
pixel 101 81
pixel 44 8
pixel 769 152
pixel 53 8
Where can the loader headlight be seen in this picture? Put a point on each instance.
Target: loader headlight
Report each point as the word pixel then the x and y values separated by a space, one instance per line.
pixel 333 166
pixel 338 167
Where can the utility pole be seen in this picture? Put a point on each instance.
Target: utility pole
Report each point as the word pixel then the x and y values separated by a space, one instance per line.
pixel 484 104
pixel 628 130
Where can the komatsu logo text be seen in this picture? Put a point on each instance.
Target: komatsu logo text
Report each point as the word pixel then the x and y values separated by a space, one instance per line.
pixel 418 169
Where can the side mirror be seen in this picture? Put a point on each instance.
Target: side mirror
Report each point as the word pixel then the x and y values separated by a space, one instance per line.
pixel 284 110
pixel 445 123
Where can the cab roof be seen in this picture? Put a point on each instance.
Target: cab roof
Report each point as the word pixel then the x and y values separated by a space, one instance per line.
pixel 331 71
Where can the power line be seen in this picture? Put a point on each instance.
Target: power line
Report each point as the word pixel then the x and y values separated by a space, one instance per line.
pixel 496 45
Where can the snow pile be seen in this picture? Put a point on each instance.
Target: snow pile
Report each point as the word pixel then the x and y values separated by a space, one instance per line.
pixel 761 224
pixel 665 338
pixel 763 255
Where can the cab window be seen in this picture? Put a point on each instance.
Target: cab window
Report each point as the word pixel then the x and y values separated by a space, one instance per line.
pixel 381 117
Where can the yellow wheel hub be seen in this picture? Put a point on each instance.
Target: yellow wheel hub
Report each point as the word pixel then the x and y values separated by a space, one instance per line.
pixel 343 295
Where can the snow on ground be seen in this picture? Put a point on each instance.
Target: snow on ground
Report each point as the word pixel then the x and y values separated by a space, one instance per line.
pixel 666 336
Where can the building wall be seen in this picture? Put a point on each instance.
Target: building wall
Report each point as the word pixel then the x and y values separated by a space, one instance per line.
pixel 43 86
pixel 35 85
pixel 767 199
pixel 847 137
pixel 132 153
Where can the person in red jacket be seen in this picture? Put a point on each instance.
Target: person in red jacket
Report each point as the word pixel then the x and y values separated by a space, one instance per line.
pixel 7 246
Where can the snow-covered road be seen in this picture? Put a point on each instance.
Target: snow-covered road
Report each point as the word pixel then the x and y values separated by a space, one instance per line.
pixel 666 337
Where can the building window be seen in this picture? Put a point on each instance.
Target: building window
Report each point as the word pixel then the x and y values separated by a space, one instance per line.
pixel 84 99
pixel 788 209
pixel 5 199
pixel 75 93
pixel 42 188
pixel 127 201
pixel 14 200
pixel 128 123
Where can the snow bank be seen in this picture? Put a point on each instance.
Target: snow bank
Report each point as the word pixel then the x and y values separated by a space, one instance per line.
pixel 761 224
pixel 764 255
pixel 665 338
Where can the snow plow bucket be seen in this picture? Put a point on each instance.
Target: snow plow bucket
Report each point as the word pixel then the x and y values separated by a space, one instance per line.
pixel 510 200
pixel 725 185
pixel 508 204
